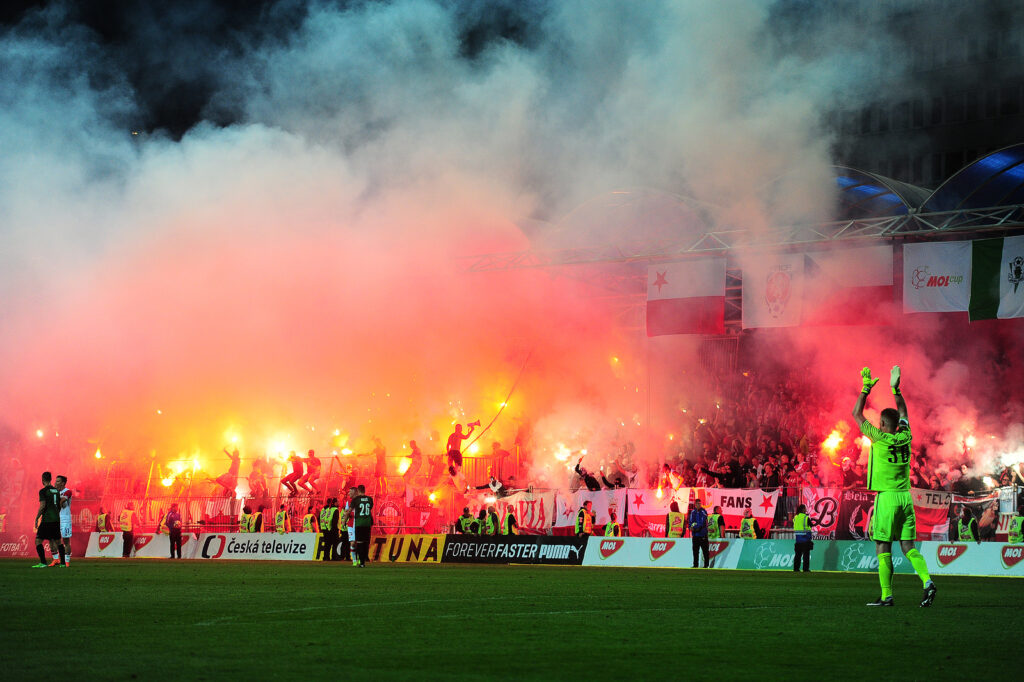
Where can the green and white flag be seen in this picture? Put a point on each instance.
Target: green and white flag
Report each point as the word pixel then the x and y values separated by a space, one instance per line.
pixel 997 278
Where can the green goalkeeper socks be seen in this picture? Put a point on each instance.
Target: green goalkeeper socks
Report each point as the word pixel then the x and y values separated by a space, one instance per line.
pixel 885 574
pixel 920 565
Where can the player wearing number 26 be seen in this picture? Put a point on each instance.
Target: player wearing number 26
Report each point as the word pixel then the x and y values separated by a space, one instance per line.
pixel 889 476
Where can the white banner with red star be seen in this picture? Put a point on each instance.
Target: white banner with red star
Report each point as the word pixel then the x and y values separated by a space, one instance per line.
pixel 648 509
pixel 734 501
pixel 567 505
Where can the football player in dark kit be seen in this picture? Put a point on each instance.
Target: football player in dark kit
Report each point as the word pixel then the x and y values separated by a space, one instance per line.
pixel 362 513
pixel 47 522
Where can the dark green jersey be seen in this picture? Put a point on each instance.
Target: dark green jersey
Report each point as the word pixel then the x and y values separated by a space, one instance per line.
pixel 362 507
pixel 50 496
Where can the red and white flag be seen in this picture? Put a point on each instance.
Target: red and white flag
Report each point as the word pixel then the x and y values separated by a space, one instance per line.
pixel 686 298
pixel 734 501
pixel 849 286
pixel 931 509
pixel 648 511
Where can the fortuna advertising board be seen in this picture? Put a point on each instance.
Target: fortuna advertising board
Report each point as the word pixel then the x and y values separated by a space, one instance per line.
pixel 658 552
pixel 407 548
pixel 514 549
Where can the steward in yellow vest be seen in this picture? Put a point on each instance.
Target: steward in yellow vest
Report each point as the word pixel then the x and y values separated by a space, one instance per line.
pixel 490 522
pixel 803 536
pixel 715 524
pixel 748 525
pixel 309 523
pixel 282 522
pixel 585 519
pixel 244 520
pixel 464 524
pixel 968 527
pixel 103 522
pixel 675 523
pixel 509 526
pixel 3 520
pixel 1016 532
pixel 612 529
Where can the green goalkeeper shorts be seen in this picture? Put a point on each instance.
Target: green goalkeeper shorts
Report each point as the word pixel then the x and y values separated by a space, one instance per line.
pixel 893 518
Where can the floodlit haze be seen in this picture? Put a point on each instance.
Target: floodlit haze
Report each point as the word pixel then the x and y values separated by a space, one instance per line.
pixel 281 252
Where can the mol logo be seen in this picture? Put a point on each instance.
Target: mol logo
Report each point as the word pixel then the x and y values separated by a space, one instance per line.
pixel 947 554
pixel 142 540
pixel 659 547
pixel 921 279
pixel 609 547
pixel 105 540
pixel 767 558
pixel 716 547
pixel 1012 554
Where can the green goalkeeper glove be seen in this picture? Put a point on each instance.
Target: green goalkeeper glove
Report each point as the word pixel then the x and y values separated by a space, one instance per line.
pixel 868 382
pixel 894 379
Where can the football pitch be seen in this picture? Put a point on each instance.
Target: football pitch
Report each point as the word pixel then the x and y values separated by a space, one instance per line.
pixel 139 619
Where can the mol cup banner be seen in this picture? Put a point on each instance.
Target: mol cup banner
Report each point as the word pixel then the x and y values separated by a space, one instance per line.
pixel 534 511
pixel 822 510
pixel 568 505
pixel 267 546
pixel 144 546
pixel 971 558
pixel 647 510
pixel 734 500
pixel 658 552
pixel 407 548
pixel 827 555
pixel 514 549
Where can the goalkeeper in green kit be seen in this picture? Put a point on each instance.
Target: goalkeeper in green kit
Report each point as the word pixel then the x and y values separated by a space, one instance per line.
pixel 889 477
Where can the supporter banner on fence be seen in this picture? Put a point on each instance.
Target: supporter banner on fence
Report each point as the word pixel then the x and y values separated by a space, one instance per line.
pixel 534 511
pixel 855 508
pixel 567 505
pixel 984 508
pixel 646 511
pixel 931 509
pixel 514 549
pixel 734 500
pixel 658 552
pixel 407 548
pixel 822 510
pixel 17 544
pixel 271 546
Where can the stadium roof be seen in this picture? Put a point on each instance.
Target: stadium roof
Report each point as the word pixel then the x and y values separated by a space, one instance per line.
pixel 867 195
pixel 993 180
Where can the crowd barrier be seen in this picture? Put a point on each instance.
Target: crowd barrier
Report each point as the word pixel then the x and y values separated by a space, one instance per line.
pixel 944 558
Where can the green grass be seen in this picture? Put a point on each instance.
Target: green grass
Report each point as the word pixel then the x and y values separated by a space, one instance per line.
pixel 196 620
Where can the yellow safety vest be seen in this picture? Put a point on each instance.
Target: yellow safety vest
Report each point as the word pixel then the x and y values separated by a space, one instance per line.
pixel 585 521
pixel 714 528
pixel 3 522
pixel 747 528
pixel 1015 535
pixel 506 527
pixel 965 532
pixel 127 516
pixel 101 523
pixel 612 529
pixel 307 523
pixel 282 521
pixel 161 528
pixel 675 525
pixel 243 523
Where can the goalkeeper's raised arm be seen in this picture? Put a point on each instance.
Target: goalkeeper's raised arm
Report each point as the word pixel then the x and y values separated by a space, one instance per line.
pixel 894 382
pixel 867 383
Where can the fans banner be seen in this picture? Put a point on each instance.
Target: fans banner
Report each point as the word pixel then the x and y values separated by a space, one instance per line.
pixel 931 509
pixel 822 510
pixel 658 553
pixel 534 511
pixel 514 549
pixel 855 508
pixel 272 546
pixel 647 509
pixel 407 548
pixel 734 501
pixel 567 505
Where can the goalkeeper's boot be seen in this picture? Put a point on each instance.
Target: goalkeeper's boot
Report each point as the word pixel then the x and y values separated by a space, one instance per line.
pixel 39 565
pixel 929 594
pixel 888 601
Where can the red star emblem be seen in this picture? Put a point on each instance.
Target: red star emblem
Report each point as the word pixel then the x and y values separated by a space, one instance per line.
pixel 638 499
pixel 919 497
pixel 660 280
pixel 568 513
pixel 766 502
